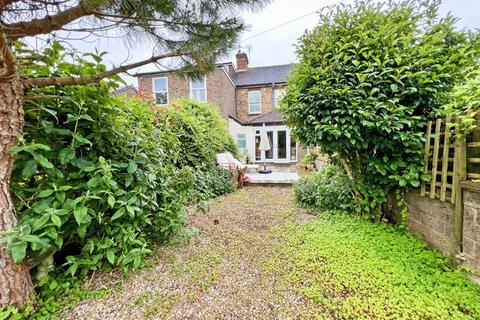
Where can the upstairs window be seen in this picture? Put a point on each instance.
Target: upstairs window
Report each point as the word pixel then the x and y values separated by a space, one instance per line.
pixel 198 89
pixel 278 95
pixel 254 102
pixel 160 90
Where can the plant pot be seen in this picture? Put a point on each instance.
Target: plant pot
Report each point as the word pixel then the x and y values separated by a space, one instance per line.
pixel 310 166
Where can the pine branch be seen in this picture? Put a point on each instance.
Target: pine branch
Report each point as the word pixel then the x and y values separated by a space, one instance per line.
pixel 47 24
pixel 67 81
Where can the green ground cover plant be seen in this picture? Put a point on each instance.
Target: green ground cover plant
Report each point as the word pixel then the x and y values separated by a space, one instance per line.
pixel 349 268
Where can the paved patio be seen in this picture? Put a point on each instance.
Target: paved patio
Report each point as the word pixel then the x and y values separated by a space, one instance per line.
pixel 276 177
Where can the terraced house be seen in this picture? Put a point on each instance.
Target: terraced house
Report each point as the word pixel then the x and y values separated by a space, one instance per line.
pixel 247 97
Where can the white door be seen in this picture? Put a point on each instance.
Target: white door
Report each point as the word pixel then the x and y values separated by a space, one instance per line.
pixel 279 137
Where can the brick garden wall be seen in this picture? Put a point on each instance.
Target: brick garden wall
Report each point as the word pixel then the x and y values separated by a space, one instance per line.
pixel 434 221
pixel 471 228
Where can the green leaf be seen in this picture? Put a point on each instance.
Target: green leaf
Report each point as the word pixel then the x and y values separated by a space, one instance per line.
pixel 41 160
pixel 415 183
pixel 111 200
pixel 41 222
pixel 119 213
pixel 29 169
pixel 45 193
pixel 111 257
pixel 132 167
pixel 66 155
pixel 56 220
pixel 18 251
pixel 80 213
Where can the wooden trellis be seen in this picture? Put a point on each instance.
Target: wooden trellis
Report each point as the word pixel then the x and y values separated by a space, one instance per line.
pixel 445 161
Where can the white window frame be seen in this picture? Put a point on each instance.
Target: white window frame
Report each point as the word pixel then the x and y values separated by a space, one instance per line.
pixel 154 92
pixel 244 138
pixel 191 88
pixel 279 91
pixel 260 101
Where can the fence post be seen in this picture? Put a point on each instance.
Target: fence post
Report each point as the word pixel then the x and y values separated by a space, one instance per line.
pixel 459 174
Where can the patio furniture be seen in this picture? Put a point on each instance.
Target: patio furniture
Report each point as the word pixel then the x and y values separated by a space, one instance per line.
pixel 227 161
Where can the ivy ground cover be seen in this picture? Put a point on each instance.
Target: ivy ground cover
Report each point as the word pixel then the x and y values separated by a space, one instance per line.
pixel 255 255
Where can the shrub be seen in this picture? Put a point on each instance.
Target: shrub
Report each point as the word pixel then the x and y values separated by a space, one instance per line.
pixel 369 76
pixel 200 129
pixel 92 176
pixel 211 182
pixel 98 180
pixel 326 189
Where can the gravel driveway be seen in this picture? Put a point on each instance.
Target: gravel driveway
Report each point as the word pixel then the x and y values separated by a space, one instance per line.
pixel 217 269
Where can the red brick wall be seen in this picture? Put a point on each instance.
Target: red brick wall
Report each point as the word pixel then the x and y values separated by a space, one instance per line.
pixel 242 101
pixel 220 91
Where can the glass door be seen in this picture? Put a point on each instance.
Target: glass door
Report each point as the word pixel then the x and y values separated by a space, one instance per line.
pixel 281 145
pixel 280 142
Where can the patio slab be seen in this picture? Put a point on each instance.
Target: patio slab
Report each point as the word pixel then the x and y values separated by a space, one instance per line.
pixel 276 177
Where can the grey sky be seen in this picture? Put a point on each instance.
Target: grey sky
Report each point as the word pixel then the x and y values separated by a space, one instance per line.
pixel 275 47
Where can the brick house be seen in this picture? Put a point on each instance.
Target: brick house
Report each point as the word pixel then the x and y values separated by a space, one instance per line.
pixel 246 96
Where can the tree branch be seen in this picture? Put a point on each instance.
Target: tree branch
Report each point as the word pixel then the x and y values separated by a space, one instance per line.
pixel 67 81
pixel 9 62
pixel 47 24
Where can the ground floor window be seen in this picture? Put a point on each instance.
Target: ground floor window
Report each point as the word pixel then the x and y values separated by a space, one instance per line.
pixel 241 141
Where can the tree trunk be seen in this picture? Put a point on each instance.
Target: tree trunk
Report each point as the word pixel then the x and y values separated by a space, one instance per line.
pixel 15 282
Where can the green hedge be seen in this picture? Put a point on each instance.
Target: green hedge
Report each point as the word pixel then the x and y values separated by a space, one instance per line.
pixel 98 179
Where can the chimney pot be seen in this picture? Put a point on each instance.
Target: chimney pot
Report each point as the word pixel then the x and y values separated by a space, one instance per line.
pixel 242 61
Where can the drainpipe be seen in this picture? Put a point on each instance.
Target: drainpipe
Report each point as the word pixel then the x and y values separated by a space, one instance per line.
pixel 273 95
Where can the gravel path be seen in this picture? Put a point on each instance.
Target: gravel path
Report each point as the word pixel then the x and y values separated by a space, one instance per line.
pixel 220 270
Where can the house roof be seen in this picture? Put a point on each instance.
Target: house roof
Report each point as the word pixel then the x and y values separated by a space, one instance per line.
pixel 263 75
pixel 267 118
pixel 149 73
pixel 129 90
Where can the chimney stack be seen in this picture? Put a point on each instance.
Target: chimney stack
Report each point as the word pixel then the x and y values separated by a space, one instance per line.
pixel 242 61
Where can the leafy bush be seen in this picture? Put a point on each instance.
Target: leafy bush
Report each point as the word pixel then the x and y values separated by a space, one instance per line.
pixel 326 189
pixel 369 76
pixel 211 182
pixel 98 180
pixel 349 268
pixel 200 129
pixel 466 101
pixel 92 174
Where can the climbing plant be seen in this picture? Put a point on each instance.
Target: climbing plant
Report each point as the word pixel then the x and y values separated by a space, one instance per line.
pixel 370 75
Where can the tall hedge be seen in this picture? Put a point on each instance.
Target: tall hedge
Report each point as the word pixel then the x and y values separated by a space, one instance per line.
pixel 98 179
pixel 369 76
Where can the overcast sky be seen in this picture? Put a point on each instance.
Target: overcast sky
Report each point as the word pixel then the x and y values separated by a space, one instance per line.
pixel 274 47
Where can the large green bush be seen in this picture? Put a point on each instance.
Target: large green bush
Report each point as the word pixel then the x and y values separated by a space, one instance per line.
pixel 200 129
pixel 327 189
pixel 98 179
pixel 369 77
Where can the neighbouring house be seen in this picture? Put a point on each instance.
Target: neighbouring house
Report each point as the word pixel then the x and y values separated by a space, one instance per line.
pixel 248 97
pixel 128 91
